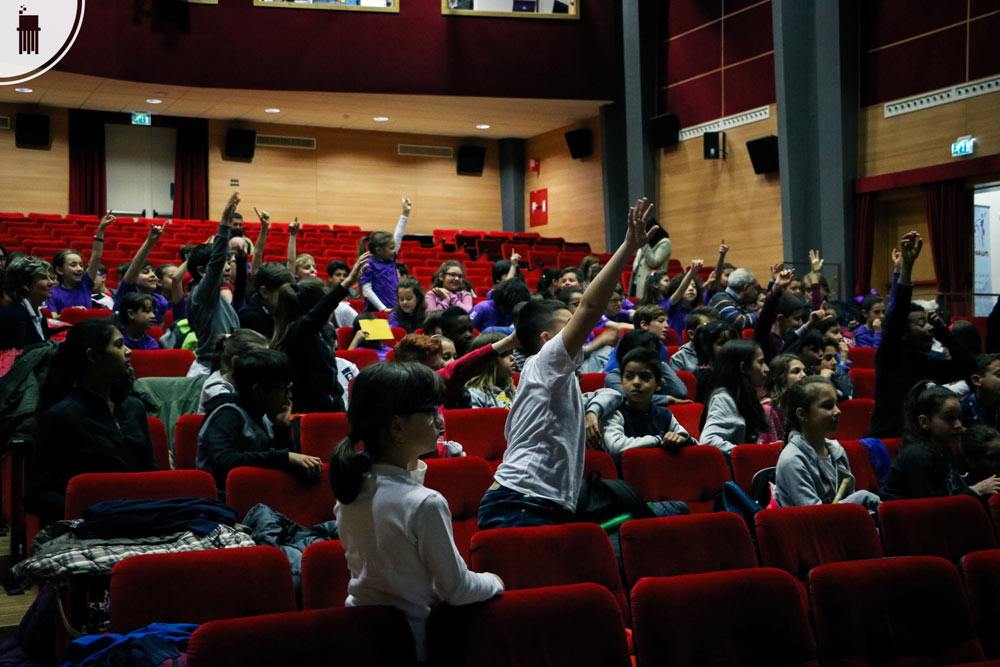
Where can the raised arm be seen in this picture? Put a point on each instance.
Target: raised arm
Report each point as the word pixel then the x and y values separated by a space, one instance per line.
pixel 598 293
pixel 320 314
pixel 293 231
pixel 258 252
pixel 176 287
pixel 769 313
pixel 401 223
pixel 717 273
pixel 514 259
pixel 220 252
pixel 135 268
pixel 98 248
pixel 693 270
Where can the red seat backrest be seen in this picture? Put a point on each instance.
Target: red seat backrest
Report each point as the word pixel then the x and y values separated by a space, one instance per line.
pixel 689 544
pixel 359 357
pixel 321 432
pixel 672 626
pixel 892 611
pixel 861 466
pixel 199 586
pixel 97 487
pixel 356 636
pixel 863 380
pixel 981 570
pixel 602 462
pixel 538 556
pixel 161 446
pixel 948 527
pixel 562 625
pixel 691 384
pixel 325 575
pixel 750 459
pixel 689 416
pixel 462 481
pixel 186 430
pixel 691 474
pixel 591 382
pixel 304 501
pixel 862 357
pixel 161 363
pixel 855 418
pixel 480 431
pixel 77 315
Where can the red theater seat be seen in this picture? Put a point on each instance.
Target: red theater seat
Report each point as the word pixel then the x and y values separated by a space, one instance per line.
pixel 591 382
pixel 480 431
pixel 97 487
pixel 947 527
pixel 304 501
pixel 862 357
pixel 691 474
pixel 797 539
pixel 692 544
pixel 691 384
pixel 689 416
pixel 186 430
pixel 577 625
pixel 541 556
pixel 325 575
pixel 462 481
pixel 353 636
pixel 861 466
pixel 199 586
pixel 359 357
pixel 981 570
pixel 161 363
pixel 855 418
pixel 77 315
pixel 321 432
pixel 748 460
pixel 864 382
pixel 673 620
pixel 602 462
pixel 161 446
pixel 892 611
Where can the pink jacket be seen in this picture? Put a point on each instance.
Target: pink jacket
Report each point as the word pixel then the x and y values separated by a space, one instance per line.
pixel 462 299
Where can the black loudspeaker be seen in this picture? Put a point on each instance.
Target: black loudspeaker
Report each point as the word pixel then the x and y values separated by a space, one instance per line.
pixel 714 145
pixel 764 154
pixel 664 130
pixel 31 130
pixel 240 143
pixel 470 160
pixel 580 142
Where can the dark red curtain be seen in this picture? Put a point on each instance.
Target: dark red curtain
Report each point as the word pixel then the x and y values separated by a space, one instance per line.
pixel 949 223
pixel 87 180
pixel 191 170
pixel 864 241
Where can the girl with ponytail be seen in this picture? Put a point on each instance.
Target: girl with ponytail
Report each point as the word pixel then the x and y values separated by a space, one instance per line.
pixel 395 531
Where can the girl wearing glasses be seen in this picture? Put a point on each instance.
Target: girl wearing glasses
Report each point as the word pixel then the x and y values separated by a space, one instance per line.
pixel 449 288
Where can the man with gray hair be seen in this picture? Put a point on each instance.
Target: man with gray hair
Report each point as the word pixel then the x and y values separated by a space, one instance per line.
pixel 734 303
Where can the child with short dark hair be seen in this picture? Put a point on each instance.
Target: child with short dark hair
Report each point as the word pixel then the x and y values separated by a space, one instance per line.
pixel 982 406
pixel 640 422
pixel 686 358
pixel 379 281
pixel 135 316
pixel 542 470
pixel 457 325
pixel 813 470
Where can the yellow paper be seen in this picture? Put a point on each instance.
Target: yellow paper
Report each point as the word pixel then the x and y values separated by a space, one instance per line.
pixel 377 329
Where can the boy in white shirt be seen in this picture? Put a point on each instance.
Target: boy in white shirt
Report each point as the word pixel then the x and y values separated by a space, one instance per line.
pixel 542 470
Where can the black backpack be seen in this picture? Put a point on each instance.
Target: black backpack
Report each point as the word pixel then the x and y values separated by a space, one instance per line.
pixel 603 499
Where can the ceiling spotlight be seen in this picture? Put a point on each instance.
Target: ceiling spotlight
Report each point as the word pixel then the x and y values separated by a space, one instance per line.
pixel 23 90
pixel 272 110
pixel 380 119
pixel 482 126
pixel 154 100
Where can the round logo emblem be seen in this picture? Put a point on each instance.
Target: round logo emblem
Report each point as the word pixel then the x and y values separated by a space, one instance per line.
pixel 35 35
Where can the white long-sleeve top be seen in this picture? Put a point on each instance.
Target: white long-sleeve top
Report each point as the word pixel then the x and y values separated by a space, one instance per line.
pixel 406 558
pixel 616 442
pixel 724 425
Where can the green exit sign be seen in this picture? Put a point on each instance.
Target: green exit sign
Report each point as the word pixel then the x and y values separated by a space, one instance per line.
pixel 963 146
pixel 142 119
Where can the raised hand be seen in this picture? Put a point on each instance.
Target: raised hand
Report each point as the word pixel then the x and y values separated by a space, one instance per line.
pixel 105 221
pixel 638 215
pixel 818 317
pixel 783 279
pixel 514 258
pixel 897 261
pixel 776 269
pixel 294 228
pixel 815 261
pixel 359 267
pixel 227 214
pixel 910 247
pixel 696 265
pixel 406 206
pixel 264 218
pixel 156 232
pixel 723 248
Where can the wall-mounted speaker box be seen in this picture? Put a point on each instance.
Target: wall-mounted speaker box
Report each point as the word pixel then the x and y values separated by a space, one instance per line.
pixel 764 154
pixel 240 143
pixel 714 145
pixel 31 130
pixel 470 160
pixel 580 142
pixel 665 130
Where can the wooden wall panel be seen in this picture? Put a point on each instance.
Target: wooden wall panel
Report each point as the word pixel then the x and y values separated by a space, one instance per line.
pixel 896 213
pixel 356 178
pixel 35 180
pixel 924 138
pixel 576 187
pixel 701 202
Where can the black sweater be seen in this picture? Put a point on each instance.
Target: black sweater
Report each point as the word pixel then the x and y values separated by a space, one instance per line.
pixel 79 434
pixel 899 366
pixel 314 364
pixel 921 472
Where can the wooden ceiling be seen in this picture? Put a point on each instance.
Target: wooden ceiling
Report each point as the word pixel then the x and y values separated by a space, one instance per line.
pixel 418 114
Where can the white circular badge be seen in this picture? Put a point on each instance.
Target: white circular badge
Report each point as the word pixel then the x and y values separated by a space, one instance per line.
pixel 35 35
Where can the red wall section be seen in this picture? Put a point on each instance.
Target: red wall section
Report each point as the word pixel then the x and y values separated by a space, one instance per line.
pixel 716 58
pixel 236 45
pixel 913 46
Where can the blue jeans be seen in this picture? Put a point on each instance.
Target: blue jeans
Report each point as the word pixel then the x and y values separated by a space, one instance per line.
pixel 504 508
